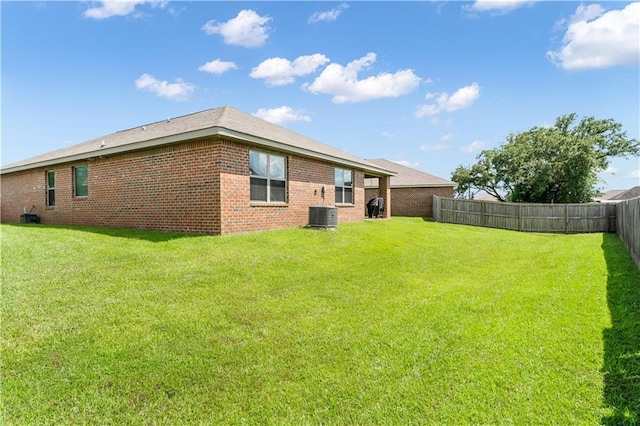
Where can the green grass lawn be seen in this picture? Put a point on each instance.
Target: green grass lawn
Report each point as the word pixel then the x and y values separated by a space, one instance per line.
pixel 381 322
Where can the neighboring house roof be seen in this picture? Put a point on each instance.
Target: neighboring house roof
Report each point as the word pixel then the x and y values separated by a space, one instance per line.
pixel 485 197
pixel 609 194
pixel 627 195
pixel 224 121
pixel 615 195
pixel 407 177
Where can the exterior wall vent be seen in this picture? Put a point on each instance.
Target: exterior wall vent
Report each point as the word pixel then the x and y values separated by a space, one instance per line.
pixel 323 217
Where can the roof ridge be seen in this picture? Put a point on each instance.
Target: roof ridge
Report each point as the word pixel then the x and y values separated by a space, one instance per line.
pixel 169 118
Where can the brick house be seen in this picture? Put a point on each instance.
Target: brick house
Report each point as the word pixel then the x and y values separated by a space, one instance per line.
pixel 219 171
pixel 412 191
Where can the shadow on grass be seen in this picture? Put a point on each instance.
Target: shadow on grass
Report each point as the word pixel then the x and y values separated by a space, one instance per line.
pixel 622 341
pixel 143 235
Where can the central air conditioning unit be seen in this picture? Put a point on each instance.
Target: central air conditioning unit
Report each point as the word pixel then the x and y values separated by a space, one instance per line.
pixel 323 217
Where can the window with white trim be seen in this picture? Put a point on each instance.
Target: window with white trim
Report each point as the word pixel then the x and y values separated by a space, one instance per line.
pixel 268 181
pixel 344 186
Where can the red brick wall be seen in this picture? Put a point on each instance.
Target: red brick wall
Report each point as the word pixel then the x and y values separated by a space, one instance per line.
pixel 174 188
pixel 21 191
pixel 305 178
pixel 196 187
pixel 417 202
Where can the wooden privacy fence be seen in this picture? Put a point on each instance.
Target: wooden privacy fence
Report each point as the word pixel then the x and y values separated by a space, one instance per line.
pixel 622 218
pixel 628 226
pixel 555 218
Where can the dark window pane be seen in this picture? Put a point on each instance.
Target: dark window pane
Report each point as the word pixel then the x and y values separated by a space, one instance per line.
pixel 258 189
pixel 348 195
pixel 278 191
pixel 51 179
pixel 81 187
pixel 338 194
pixel 51 197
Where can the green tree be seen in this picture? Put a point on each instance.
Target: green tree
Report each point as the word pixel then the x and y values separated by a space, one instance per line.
pixel 559 164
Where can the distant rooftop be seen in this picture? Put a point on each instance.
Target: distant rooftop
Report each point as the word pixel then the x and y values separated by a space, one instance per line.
pixel 615 195
pixel 407 177
pixel 628 194
pixel 610 194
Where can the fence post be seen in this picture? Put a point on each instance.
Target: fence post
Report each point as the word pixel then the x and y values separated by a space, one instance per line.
pixel 566 218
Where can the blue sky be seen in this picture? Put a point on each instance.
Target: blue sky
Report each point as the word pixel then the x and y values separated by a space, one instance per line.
pixel 426 84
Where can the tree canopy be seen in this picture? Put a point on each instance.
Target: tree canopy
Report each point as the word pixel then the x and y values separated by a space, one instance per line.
pixel 557 164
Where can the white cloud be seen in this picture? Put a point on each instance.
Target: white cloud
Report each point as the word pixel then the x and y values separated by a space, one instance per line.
pixel 388 135
pixel 437 147
pixel 610 170
pixel 446 137
pixel 342 82
pixel 462 98
pixel 635 174
pixel 595 39
pixel 281 115
pixel 586 13
pixel 475 146
pixel 248 29
pixel 217 67
pixel 497 6
pixel 178 91
pixel 280 71
pixel 329 15
pixel 107 9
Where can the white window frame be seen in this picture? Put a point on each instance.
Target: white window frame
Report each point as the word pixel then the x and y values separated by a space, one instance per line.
pixel 267 177
pixel 340 189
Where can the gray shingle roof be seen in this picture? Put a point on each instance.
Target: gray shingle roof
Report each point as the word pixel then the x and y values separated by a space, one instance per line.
pixel 224 121
pixel 407 177
pixel 610 194
pixel 628 194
